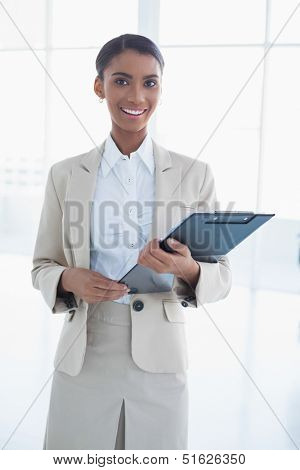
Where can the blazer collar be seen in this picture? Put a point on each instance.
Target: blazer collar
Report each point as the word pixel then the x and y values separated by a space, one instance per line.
pixel 91 160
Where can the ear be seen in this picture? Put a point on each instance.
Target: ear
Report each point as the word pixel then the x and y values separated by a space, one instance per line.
pixel 98 87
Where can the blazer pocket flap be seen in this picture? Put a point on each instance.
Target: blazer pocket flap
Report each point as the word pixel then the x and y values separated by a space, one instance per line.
pixel 174 311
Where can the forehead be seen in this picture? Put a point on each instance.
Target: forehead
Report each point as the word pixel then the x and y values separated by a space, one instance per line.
pixel 133 63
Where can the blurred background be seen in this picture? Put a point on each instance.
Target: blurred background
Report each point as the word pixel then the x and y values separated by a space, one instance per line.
pixel 231 97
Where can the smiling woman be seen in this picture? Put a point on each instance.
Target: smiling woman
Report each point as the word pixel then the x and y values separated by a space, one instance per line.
pixel 120 377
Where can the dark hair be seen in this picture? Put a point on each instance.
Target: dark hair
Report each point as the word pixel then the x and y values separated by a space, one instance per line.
pixel 115 46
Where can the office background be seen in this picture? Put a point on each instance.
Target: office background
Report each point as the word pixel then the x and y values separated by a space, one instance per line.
pixel 231 97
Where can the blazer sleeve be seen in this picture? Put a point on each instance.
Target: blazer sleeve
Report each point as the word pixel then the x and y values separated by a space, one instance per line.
pixel 215 279
pixel 49 260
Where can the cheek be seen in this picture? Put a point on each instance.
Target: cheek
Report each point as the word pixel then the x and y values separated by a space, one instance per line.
pixel 154 100
pixel 113 97
pixel 112 104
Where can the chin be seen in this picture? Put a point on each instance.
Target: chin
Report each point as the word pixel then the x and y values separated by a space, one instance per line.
pixel 129 128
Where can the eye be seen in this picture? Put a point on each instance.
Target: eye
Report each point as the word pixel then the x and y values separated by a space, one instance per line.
pixel 120 80
pixel 153 81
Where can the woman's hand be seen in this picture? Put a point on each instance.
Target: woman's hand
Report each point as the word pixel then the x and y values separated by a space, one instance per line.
pixel 180 263
pixel 91 286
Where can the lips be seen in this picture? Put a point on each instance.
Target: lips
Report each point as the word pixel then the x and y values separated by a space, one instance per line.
pixel 134 115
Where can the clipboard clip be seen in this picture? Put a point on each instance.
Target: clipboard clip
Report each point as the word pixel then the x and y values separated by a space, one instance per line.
pixel 230 217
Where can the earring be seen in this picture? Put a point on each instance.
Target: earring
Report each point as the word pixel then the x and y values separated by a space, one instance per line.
pixel 101 100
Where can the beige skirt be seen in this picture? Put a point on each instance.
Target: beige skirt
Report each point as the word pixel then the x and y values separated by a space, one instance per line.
pixel 112 403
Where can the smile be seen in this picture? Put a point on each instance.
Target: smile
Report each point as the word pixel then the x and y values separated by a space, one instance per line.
pixel 132 113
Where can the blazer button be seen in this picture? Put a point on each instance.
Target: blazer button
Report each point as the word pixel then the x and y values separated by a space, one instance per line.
pixel 138 305
pixel 185 304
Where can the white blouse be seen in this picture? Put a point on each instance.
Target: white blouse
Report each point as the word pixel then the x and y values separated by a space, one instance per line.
pixel 122 209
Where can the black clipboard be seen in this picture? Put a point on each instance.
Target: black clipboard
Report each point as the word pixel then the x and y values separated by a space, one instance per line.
pixel 209 235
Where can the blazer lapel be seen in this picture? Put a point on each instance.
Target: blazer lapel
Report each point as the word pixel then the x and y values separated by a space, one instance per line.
pixel 79 198
pixel 166 210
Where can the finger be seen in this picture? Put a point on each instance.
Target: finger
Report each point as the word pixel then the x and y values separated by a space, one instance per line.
pixel 178 246
pixel 96 290
pixel 100 280
pixel 104 290
pixel 148 258
pixel 160 254
pixel 110 285
pixel 153 263
pixel 147 248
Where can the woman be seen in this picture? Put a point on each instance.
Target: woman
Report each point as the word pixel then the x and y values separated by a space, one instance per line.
pixel 120 367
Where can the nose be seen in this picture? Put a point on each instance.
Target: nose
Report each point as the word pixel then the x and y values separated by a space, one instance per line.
pixel 136 96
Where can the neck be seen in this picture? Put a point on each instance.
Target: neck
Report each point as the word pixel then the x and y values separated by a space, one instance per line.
pixel 128 142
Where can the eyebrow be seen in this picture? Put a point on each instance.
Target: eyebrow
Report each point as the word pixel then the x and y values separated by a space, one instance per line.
pixel 130 76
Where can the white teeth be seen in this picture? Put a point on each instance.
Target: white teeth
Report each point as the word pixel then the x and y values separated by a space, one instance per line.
pixel 131 111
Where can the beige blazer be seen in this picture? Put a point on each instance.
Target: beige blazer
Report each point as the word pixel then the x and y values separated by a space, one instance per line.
pixel 158 330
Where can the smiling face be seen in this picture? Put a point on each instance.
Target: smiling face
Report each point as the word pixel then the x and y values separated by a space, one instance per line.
pixel 132 82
